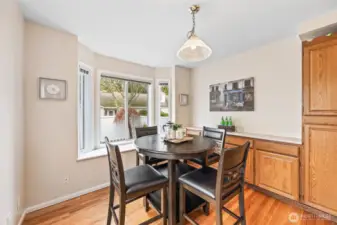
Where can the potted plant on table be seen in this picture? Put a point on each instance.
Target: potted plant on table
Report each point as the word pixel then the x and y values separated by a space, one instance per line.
pixel 176 127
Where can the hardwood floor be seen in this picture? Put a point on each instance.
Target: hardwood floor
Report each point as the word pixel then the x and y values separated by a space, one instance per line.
pixel 91 209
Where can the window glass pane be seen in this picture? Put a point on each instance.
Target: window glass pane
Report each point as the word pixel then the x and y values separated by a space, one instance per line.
pixel 137 106
pixel 81 111
pixel 164 104
pixel 112 109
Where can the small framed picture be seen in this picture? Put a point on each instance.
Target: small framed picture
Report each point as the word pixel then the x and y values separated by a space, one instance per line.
pixel 183 99
pixel 52 89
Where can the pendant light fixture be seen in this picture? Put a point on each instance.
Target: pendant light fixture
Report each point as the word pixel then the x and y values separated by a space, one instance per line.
pixel 194 49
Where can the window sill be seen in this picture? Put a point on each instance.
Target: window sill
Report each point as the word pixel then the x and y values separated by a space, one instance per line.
pixel 126 146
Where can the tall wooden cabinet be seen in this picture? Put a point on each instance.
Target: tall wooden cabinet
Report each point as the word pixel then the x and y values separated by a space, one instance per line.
pixel 320 123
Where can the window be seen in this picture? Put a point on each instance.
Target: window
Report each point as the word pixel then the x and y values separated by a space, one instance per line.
pixel 163 102
pixel 124 105
pixel 84 108
pixel 110 107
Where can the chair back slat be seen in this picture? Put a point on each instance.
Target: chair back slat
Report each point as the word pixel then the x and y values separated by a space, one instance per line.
pixel 116 169
pixel 145 131
pixel 218 135
pixel 231 169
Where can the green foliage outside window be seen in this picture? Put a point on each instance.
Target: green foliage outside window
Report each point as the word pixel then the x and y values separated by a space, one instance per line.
pixel 165 89
pixel 163 114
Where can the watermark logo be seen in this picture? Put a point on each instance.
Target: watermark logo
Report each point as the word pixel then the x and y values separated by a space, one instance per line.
pixel 293 217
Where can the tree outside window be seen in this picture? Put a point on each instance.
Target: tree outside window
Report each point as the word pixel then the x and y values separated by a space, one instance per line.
pixel 136 97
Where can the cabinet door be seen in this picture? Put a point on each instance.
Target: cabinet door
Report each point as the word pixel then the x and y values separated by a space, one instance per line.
pixel 249 173
pixel 320 167
pixel 277 173
pixel 320 78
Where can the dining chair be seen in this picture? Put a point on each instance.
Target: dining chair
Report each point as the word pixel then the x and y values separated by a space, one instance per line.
pixel 131 185
pixel 218 186
pixel 218 135
pixel 141 132
pixel 145 131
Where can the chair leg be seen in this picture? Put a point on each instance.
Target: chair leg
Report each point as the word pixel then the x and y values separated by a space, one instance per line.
pixel 164 204
pixel 218 212
pixel 137 159
pixel 122 204
pixel 146 204
pixel 182 205
pixel 242 206
pixel 109 217
pixel 111 204
pixel 205 209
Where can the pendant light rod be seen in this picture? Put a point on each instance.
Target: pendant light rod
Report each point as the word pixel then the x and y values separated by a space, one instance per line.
pixel 194 9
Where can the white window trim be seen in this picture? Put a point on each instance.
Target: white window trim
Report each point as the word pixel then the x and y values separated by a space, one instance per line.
pixel 157 99
pixel 98 150
pixel 124 146
pixel 88 109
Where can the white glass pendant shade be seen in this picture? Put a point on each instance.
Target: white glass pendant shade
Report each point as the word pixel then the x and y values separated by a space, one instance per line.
pixel 194 50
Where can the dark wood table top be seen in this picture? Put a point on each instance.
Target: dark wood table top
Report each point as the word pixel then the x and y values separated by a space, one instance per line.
pixel 155 146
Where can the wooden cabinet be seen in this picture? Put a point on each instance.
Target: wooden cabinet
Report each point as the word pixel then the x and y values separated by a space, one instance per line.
pixel 249 173
pixel 320 77
pixel 320 123
pixel 320 167
pixel 235 140
pixel 277 173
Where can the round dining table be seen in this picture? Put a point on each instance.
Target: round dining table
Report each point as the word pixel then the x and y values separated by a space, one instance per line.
pixel 155 146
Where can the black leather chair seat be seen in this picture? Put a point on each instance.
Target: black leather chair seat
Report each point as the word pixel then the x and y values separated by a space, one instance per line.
pixel 214 157
pixel 192 201
pixel 142 177
pixel 204 180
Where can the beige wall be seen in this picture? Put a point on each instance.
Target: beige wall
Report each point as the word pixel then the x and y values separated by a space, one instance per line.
pixel 277 69
pixel 11 112
pixel 51 127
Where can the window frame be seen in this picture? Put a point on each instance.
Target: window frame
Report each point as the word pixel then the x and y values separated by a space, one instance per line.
pixel 88 102
pixel 97 103
pixel 157 99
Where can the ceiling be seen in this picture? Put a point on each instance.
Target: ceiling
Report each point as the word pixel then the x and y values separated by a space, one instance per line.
pixel 150 32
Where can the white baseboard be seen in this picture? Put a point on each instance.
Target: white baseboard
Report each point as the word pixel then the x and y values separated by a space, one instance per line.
pixel 65 198
pixel 22 217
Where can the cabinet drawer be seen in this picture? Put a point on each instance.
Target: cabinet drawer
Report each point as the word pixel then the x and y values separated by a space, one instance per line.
pixel 285 149
pixel 238 140
pixel 229 145
pixel 277 173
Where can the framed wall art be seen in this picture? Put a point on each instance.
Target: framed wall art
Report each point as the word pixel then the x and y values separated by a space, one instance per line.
pixel 235 95
pixel 53 89
pixel 183 99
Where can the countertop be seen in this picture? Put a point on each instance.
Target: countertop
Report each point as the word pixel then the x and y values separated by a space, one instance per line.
pixel 289 140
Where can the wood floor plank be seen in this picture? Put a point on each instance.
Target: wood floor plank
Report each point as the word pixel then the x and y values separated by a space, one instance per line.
pixel 91 209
